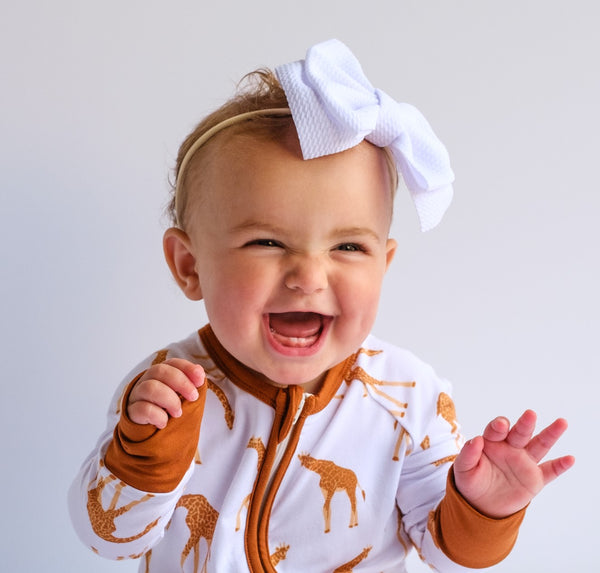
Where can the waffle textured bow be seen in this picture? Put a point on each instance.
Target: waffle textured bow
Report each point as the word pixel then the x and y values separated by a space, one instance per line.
pixel 335 107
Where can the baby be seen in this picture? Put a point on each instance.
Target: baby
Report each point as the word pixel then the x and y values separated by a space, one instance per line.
pixel 283 435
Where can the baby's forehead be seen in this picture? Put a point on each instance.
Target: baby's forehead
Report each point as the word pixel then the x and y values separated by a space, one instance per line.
pixel 237 145
pixel 269 139
pixel 242 165
pixel 249 145
pixel 232 168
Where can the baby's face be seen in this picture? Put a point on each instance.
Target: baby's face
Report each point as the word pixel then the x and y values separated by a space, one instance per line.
pixel 291 254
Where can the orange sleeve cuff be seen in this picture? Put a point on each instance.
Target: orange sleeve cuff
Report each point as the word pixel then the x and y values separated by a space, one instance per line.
pixel 468 537
pixel 155 460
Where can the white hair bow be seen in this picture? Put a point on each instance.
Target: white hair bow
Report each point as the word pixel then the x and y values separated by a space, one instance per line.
pixel 335 107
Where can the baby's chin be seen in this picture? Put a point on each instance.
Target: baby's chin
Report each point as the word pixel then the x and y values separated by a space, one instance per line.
pixel 309 380
pixel 308 384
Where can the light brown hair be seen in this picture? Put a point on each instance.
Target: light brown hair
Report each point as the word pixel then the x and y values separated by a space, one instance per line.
pixel 257 91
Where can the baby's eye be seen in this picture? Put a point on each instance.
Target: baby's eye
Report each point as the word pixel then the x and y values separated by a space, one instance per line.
pixel 350 248
pixel 264 243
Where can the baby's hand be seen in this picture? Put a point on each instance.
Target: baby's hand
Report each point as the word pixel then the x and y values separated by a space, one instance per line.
pixel 158 393
pixel 499 473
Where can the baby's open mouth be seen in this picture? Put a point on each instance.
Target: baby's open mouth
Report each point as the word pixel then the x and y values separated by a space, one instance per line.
pixel 296 329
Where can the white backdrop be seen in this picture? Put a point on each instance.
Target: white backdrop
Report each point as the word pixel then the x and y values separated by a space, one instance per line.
pixel 502 298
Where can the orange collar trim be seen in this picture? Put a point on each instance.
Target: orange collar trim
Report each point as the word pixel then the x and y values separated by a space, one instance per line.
pixel 255 383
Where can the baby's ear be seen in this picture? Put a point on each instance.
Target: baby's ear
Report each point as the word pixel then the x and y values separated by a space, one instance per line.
pixel 182 262
pixel 390 251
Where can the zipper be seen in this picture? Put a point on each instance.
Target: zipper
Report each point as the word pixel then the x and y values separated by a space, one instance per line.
pixel 281 449
pixel 257 523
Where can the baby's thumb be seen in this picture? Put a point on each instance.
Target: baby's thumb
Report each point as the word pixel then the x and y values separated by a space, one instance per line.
pixel 469 455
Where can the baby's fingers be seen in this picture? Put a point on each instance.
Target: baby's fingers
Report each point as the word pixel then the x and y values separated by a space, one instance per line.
pixel 194 372
pixel 181 376
pixel 469 456
pixel 541 444
pixel 159 392
pixel 497 429
pixel 553 468
pixel 520 434
pixel 156 392
pixel 148 413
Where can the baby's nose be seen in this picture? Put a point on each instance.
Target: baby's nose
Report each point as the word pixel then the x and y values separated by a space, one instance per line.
pixel 307 274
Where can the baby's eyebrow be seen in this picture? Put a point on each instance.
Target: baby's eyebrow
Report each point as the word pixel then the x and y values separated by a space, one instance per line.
pixel 338 233
pixel 355 232
pixel 254 225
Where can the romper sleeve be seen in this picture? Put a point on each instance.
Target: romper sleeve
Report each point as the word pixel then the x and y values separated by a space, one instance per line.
pixel 467 536
pixel 127 489
pixel 448 533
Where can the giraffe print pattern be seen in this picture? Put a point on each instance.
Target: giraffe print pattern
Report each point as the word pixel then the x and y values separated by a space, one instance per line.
pixel 103 520
pixel 147 558
pixel 349 567
pixel 446 460
pixel 358 373
pixel 256 444
pixel 445 409
pixel 403 436
pixel 210 368
pixel 201 519
pixel 213 375
pixel 160 357
pixel 334 478
pixel 228 411
pixel 279 555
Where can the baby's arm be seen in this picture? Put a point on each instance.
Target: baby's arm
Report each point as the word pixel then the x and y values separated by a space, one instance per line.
pixel 127 489
pixel 156 437
pixel 500 472
pixel 491 482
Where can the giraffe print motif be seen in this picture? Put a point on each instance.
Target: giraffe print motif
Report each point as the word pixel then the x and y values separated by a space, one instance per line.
pixel 445 409
pixel 334 478
pixel 211 370
pixel 201 520
pixel 160 357
pixel 403 436
pixel 213 374
pixel 358 373
pixel 257 444
pixel 348 567
pixel 229 414
pixel 279 555
pixel 367 352
pixel 446 460
pixel 103 520
pixel 147 558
